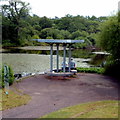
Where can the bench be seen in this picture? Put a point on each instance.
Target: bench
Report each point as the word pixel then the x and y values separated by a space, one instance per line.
pixel 73 71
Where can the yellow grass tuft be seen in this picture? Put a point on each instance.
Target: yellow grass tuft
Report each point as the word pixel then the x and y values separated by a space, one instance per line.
pixel 13 99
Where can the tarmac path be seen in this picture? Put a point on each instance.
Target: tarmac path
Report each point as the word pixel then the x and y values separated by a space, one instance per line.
pixel 51 94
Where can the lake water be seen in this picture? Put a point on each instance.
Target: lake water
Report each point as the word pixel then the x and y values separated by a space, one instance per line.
pixel 37 59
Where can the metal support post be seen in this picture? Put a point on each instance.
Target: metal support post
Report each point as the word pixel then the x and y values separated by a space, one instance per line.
pixel 51 58
pixel 57 52
pixel 69 57
pixel 64 58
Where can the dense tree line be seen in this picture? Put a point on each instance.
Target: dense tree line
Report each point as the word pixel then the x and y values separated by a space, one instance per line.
pixel 109 40
pixel 19 27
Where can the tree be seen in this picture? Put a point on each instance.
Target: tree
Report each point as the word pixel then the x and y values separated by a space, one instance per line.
pixel 63 23
pixel 109 39
pixel 0 27
pixel 78 33
pixel 13 16
pixel 45 22
pixel 49 33
pixel 64 34
pixel 109 36
pixel 19 27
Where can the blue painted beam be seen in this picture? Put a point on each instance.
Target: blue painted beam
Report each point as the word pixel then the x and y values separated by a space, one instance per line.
pixel 58 41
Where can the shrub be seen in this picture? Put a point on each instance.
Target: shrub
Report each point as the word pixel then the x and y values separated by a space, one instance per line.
pixel 35 37
pixel 11 76
pixel 91 70
pixel 112 68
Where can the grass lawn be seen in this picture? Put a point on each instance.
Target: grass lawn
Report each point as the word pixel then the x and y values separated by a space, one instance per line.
pixel 99 109
pixel 14 99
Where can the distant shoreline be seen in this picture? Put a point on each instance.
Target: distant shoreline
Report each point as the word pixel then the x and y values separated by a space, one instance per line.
pixel 32 48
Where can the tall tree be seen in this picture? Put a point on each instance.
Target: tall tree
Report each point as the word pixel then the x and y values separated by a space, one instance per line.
pixel 13 16
pixel 109 36
pixel 109 39
pixel 45 22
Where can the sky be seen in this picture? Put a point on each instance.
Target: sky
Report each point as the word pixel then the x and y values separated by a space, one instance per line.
pixel 60 8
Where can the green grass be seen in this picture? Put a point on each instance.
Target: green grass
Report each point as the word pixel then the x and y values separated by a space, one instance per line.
pixel 99 109
pixel 91 70
pixel 14 99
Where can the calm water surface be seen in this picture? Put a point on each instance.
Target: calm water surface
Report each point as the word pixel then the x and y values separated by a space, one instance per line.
pixel 37 59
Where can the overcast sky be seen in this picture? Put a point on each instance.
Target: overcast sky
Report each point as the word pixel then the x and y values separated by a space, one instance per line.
pixel 60 8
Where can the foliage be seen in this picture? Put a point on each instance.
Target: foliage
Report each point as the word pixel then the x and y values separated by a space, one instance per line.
pixel 109 36
pixel 11 76
pixel 19 27
pixel 91 70
pixel 83 53
pixel 49 32
pixel 35 37
pixel 99 60
pixel 109 40
pixel 45 22
pixel 14 24
pixel 99 109
pixel 112 68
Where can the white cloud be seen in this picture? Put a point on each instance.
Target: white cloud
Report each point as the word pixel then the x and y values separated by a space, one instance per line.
pixel 51 8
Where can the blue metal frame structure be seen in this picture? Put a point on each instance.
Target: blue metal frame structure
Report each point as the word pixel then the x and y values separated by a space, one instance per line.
pixel 58 42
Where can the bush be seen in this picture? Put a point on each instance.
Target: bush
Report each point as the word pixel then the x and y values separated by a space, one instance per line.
pixel 7 44
pixel 91 70
pixel 112 68
pixel 11 76
pixel 35 37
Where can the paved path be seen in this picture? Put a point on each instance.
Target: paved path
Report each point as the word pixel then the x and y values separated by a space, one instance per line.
pixel 49 95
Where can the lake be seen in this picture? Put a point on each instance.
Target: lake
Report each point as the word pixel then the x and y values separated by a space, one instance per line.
pixel 36 59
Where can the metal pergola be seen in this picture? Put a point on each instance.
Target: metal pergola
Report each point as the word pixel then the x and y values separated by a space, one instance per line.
pixel 58 42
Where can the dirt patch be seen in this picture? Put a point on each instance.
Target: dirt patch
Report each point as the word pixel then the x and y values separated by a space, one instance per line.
pixel 62 78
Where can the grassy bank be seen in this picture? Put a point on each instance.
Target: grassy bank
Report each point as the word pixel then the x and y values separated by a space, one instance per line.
pixel 100 109
pixel 13 99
